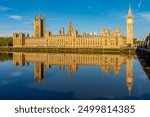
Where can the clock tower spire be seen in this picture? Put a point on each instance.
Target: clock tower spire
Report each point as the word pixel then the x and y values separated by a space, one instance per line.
pixel 130 27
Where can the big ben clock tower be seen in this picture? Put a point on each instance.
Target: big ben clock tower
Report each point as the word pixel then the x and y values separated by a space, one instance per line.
pixel 130 27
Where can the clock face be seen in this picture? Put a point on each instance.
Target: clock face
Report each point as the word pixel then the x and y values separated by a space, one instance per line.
pixel 130 21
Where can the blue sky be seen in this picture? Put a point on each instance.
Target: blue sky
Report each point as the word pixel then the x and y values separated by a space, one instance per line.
pixel 86 15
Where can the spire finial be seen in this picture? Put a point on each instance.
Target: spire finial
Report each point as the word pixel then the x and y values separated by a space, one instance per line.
pixel 129 5
pixel 70 21
pixel 39 16
pixel 130 10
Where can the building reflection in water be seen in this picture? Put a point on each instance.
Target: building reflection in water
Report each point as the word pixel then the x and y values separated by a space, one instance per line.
pixel 39 71
pixel 129 76
pixel 72 61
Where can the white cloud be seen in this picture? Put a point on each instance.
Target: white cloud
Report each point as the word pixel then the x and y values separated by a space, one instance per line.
pixel 141 16
pixel 16 74
pixel 144 16
pixel 3 8
pixel 16 17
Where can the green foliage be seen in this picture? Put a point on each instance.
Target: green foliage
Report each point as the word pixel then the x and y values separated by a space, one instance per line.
pixel 6 41
pixel 5 57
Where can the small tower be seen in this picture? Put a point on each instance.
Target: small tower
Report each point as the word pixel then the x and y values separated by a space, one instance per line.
pixel 39 27
pixel 63 31
pixel 70 28
pixel 130 27
pixel 18 39
pixel 60 32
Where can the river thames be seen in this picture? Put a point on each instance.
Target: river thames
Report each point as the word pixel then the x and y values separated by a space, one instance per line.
pixel 46 76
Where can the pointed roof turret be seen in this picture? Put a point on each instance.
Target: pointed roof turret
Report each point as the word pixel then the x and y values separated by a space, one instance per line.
pixel 70 23
pixel 70 28
pixel 130 11
pixel 39 17
pixel 129 81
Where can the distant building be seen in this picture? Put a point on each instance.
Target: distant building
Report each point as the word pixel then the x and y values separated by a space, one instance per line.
pixel 136 42
pixel 147 41
pixel 73 40
pixel 93 34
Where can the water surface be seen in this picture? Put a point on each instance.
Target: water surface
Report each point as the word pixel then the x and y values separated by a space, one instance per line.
pixel 72 76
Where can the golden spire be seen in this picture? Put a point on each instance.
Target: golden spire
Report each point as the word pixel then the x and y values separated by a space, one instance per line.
pixel 70 23
pixel 39 17
pixel 70 28
pixel 130 11
pixel 129 90
pixel 129 84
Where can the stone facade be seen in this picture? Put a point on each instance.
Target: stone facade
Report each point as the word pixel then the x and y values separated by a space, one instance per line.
pixel 39 27
pixel 130 23
pixel 73 40
pixel 147 41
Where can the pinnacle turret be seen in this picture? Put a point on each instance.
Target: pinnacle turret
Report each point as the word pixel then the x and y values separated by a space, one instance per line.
pixel 130 11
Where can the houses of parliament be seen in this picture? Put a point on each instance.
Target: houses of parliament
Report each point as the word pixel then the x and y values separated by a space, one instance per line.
pixel 72 39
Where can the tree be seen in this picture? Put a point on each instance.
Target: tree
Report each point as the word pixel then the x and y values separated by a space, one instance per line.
pixel 6 41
